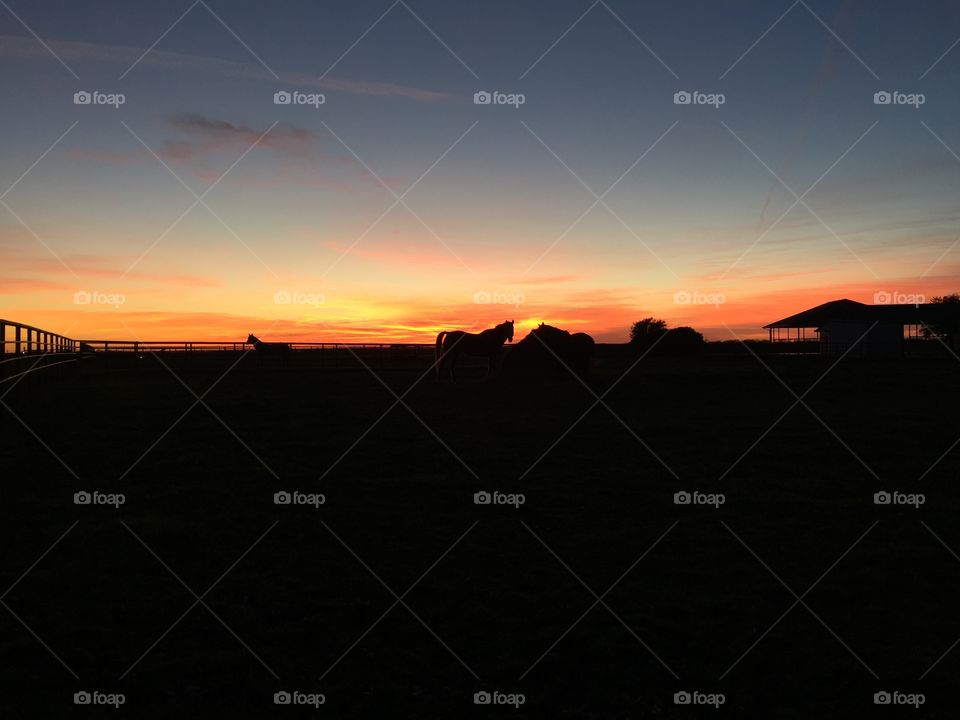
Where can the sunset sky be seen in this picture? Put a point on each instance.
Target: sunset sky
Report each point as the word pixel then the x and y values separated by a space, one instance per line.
pixel 301 235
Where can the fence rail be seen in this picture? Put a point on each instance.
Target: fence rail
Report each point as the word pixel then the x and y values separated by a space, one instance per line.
pixel 30 340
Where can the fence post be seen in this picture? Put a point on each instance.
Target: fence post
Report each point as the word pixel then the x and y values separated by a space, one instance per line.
pixel 3 340
pixel 16 341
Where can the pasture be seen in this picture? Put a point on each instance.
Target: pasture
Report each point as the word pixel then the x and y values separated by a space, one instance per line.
pixel 501 598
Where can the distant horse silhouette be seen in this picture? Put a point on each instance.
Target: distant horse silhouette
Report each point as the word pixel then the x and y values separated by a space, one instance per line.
pixel 548 350
pixel 484 344
pixel 266 350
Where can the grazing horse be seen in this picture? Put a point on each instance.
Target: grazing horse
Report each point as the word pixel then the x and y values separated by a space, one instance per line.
pixel 485 344
pixel 269 349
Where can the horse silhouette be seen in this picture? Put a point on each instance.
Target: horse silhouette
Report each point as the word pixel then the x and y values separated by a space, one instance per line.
pixel 548 350
pixel 266 350
pixel 487 343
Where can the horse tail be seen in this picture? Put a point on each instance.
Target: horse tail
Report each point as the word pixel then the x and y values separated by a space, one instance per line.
pixel 439 350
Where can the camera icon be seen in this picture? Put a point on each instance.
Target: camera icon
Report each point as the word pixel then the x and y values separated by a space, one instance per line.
pixel 482 698
pixel 81 298
pixel 282 698
pixel 82 698
pixel 282 297
pixel 481 298
pixel 482 98
pixel 882 298
pixel 82 498
pixel 882 698
pixel 882 98
pixel 882 498
pixel 682 698
pixel 82 98
pixel 282 498
pixel 682 98
pixel 482 498
pixel 682 298
pixel 682 498
pixel 282 97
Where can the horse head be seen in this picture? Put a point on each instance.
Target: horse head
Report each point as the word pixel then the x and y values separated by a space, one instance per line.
pixel 251 338
pixel 508 329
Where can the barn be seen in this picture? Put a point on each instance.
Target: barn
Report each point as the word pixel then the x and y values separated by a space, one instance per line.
pixel 847 326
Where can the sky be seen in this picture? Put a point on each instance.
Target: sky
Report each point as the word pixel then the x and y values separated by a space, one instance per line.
pixel 385 203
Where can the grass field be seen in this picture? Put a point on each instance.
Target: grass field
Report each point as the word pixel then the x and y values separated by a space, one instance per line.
pixel 502 598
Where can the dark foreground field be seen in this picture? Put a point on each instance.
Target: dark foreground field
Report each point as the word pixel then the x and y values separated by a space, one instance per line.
pixel 401 597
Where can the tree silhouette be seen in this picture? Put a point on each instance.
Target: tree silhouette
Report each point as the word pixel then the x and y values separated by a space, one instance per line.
pixel 644 332
pixel 948 326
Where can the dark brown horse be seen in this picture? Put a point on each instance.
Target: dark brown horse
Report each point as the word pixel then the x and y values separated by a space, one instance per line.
pixel 450 344
pixel 265 350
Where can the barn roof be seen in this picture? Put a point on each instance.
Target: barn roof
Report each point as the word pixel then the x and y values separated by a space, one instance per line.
pixel 851 311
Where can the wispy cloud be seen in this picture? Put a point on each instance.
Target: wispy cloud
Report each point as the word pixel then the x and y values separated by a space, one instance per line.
pixel 15 46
